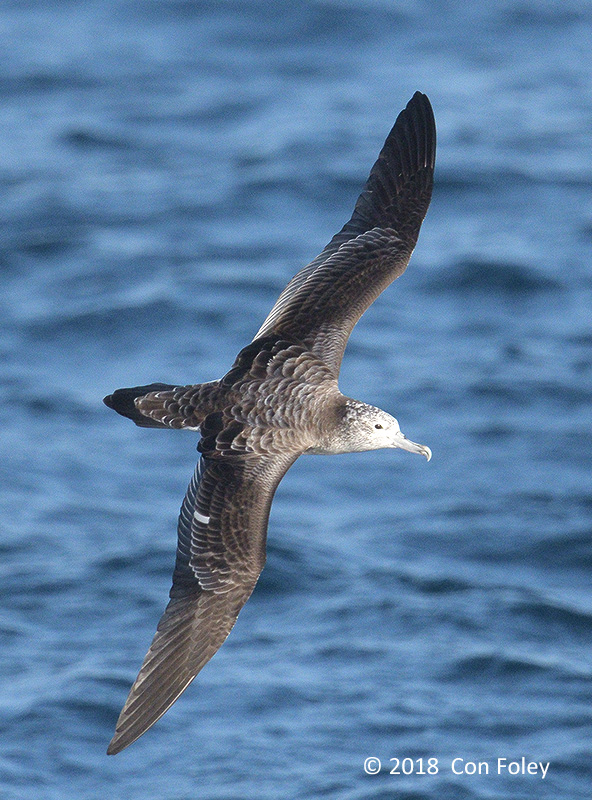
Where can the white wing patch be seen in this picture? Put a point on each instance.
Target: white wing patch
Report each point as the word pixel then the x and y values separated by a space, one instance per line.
pixel 201 517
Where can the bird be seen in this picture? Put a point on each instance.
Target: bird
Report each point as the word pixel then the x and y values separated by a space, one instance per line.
pixel 279 400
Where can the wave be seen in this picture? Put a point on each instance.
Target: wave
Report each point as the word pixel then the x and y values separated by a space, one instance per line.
pixel 485 276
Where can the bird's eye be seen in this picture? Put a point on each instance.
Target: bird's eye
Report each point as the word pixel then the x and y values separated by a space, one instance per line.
pixel 378 425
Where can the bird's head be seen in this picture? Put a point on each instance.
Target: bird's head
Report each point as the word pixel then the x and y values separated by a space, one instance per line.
pixel 370 428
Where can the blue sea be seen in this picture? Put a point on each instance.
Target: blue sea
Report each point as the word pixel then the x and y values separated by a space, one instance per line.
pixel 165 167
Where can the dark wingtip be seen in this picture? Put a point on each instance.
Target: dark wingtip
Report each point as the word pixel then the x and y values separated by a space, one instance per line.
pixel 415 133
pixel 399 188
pixel 119 742
pixel 124 737
pixel 420 108
pixel 113 749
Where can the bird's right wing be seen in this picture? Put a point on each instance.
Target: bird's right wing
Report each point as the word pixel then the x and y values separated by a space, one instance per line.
pixel 221 551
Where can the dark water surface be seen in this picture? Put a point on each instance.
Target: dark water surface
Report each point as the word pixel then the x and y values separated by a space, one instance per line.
pixel 165 167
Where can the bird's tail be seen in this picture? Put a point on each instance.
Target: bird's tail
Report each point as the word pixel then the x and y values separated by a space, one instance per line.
pixel 124 402
pixel 160 405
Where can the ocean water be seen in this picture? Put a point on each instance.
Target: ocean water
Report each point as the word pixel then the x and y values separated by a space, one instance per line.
pixel 165 167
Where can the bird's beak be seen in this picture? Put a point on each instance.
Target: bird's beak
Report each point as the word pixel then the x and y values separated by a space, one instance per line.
pixel 400 440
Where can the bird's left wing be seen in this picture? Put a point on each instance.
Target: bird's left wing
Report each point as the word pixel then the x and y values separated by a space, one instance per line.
pixel 221 551
pixel 321 304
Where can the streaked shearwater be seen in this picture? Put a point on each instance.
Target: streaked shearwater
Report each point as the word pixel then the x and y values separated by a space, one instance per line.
pixel 279 400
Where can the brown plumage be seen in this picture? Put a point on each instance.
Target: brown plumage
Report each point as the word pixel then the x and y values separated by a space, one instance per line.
pixel 280 399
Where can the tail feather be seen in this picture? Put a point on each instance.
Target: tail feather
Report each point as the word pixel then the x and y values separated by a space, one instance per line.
pixel 123 401
pixel 161 405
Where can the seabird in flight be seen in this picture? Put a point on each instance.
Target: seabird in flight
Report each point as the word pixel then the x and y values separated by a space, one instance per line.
pixel 279 400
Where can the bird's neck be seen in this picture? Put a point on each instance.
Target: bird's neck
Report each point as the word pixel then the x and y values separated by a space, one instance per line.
pixel 338 431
